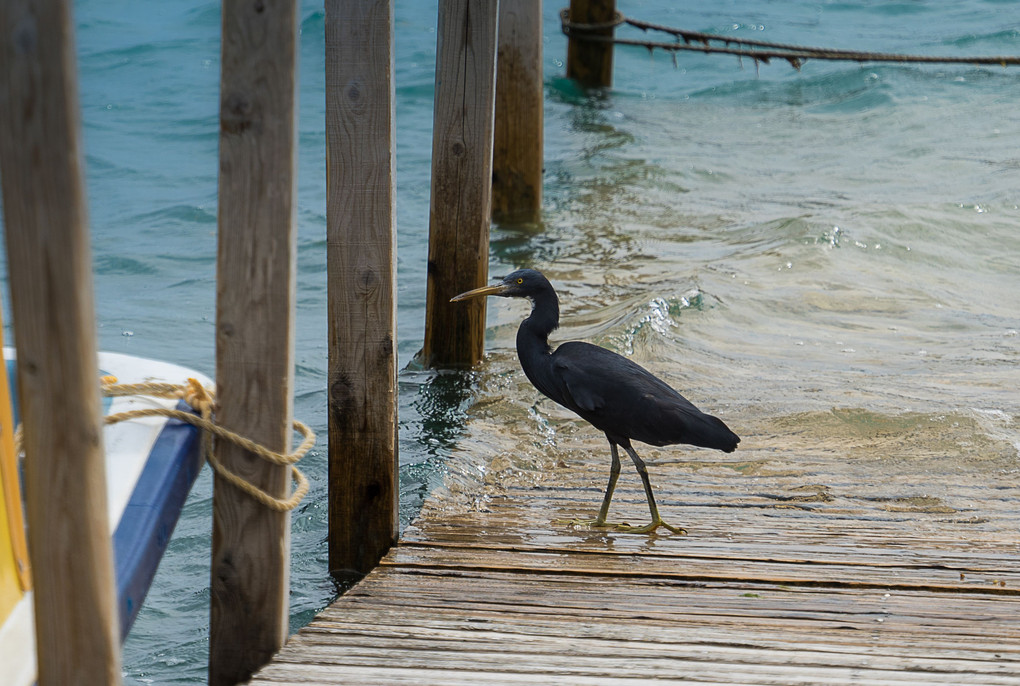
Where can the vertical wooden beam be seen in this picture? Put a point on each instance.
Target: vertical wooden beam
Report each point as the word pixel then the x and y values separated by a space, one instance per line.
pixel 361 249
pixel 46 219
pixel 254 331
pixel 461 206
pixel 517 141
pixel 589 63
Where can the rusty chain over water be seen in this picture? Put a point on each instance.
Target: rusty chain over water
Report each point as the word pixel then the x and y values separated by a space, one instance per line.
pixel 759 51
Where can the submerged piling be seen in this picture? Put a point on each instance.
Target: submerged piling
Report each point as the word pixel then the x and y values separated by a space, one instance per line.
pixel 256 260
pixel 361 237
pixel 518 137
pixel 461 204
pixel 590 63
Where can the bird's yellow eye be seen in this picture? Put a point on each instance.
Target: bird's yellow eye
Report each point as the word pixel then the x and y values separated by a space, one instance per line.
pixel 520 280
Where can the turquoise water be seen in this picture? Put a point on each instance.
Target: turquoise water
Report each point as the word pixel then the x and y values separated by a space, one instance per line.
pixel 777 243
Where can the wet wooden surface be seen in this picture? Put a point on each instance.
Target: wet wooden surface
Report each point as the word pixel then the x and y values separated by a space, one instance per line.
pixel 805 564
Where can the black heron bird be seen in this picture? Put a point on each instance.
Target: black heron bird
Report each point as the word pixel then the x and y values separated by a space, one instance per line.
pixel 620 398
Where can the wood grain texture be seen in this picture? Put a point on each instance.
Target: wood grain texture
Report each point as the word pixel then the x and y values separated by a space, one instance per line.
pixel 361 233
pixel 46 227
pixel 801 567
pixel 591 64
pixel 254 330
pixel 461 203
pixel 518 137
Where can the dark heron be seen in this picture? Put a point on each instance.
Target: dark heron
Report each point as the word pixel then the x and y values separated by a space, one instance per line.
pixel 617 396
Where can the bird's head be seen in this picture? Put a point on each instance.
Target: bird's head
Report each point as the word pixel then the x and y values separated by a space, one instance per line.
pixel 523 283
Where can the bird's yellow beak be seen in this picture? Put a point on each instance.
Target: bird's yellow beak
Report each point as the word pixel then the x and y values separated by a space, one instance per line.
pixel 478 292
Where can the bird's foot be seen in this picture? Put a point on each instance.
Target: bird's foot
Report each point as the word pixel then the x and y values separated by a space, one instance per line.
pixel 649 528
pixel 622 526
pixel 586 523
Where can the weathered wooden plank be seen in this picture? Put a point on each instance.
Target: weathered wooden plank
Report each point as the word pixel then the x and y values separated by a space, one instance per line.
pixel 46 227
pixel 650 661
pixel 517 647
pixel 582 592
pixel 741 629
pixel 254 332
pixel 774 642
pixel 677 612
pixel 517 150
pixel 654 566
pixel 462 668
pixel 737 528
pixel 740 622
pixel 988 562
pixel 845 622
pixel 994 567
pixel 553 636
pixel 676 641
pixel 609 669
pixel 742 532
pixel 361 252
pixel 327 674
pixel 461 204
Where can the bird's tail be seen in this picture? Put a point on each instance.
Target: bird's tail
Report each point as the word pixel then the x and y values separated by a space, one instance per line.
pixel 707 431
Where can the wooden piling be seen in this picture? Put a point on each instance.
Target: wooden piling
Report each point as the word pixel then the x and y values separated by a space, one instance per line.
pixel 254 331
pixel 517 140
pixel 590 63
pixel 361 240
pixel 46 217
pixel 461 203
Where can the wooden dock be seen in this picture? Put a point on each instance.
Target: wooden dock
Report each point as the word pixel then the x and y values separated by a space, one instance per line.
pixel 885 561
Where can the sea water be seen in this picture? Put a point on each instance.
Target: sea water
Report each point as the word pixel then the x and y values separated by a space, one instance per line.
pixel 830 250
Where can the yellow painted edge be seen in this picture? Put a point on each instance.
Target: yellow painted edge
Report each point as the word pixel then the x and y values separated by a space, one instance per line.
pixel 12 523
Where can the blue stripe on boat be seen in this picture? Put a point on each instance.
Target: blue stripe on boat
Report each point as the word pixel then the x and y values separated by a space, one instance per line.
pixel 152 512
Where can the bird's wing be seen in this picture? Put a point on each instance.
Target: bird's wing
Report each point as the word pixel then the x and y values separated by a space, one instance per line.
pixel 579 391
pixel 625 400
pixel 593 378
pixel 586 375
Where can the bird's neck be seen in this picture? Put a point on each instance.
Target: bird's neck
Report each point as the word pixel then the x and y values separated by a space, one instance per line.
pixel 533 334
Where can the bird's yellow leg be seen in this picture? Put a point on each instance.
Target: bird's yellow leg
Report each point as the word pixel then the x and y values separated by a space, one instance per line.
pixel 614 473
pixel 649 528
pixel 600 521
pixel 656 518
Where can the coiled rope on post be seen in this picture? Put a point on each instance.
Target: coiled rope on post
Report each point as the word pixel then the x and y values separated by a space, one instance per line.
pixel 203 401
pixel 759 51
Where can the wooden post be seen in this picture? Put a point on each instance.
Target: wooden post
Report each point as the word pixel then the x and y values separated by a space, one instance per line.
pixel 517 141
pixel 254 332
pixel 461 206
pixel 77 633
pixel 588 63
pixel 361 249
